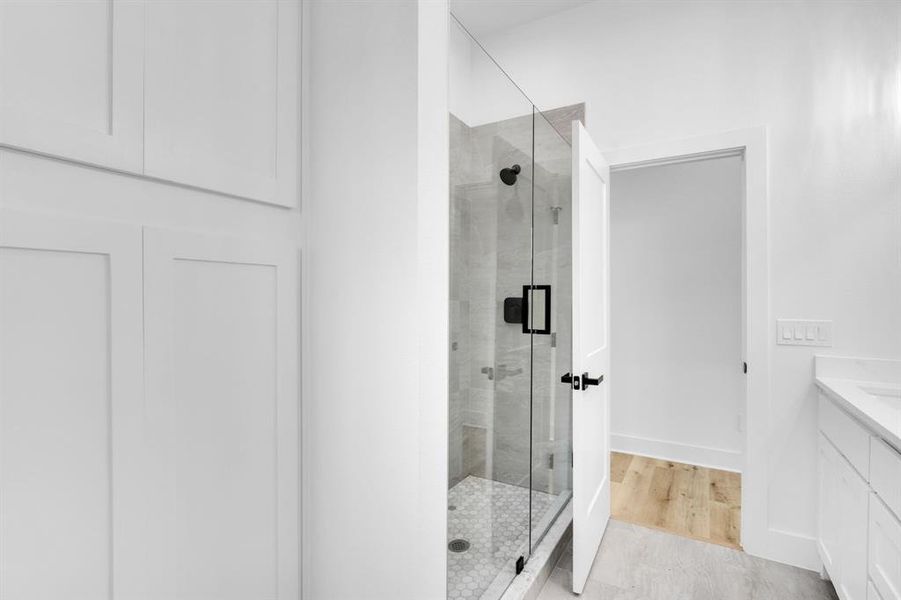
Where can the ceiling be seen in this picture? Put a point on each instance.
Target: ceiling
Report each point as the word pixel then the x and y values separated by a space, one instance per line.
pixel 484 17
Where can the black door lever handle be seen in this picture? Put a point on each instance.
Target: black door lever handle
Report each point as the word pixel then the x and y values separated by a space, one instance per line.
pixel 570 380
pixel 587 381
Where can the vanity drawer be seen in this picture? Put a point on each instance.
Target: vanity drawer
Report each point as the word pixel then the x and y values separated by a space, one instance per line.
pixel 884 552
pixel 851 439
pixel 885 474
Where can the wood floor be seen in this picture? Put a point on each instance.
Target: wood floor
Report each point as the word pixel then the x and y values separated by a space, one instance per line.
pixel 695 502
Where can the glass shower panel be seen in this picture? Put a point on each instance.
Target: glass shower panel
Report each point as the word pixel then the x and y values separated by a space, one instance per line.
pixel 490 355
pixel 551 417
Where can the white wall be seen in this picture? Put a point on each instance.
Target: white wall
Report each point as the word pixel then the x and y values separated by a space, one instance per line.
pixel 375 370
pixel 824 78
pixel 675 268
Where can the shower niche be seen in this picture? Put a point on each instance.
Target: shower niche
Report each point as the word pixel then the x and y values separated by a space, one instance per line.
pixel 510 427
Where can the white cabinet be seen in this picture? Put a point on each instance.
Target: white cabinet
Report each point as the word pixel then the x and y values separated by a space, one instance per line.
pixel 71 80
pixel 843 523
pixel 204 93
pixel 222 89
pixel 884 551
pixel 72 474
pixel 859 537
pixel 149 438
pixel 848 436
pixel 829 538
pixel 221 367
pixel 885 474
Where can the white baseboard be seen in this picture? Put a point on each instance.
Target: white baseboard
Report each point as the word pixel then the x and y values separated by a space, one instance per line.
pixel 793 549
pixel 715 458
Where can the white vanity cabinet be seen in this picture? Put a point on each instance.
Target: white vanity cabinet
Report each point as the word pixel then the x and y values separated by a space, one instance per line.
pixel 859 537
pixel 844 497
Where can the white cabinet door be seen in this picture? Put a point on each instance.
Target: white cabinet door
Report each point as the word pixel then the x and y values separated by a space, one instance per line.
pixel 72 484
pixel 222 96
pixel 829 538
pixel 843 501
pixel 71 78
pixel 853 499
pixel 884 550
pixel 221 368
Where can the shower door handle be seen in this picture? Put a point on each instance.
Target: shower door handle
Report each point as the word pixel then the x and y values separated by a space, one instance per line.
pixel 526 292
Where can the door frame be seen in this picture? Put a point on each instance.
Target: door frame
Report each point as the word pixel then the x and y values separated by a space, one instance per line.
pixel 757 335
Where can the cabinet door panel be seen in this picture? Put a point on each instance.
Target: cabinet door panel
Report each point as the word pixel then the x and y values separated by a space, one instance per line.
pixel 853 495
pixel 829 518
pixel 221 365
pixel 884 550
pixel 843 501
pixel 71 78
pixel 71 459
pixel 222 96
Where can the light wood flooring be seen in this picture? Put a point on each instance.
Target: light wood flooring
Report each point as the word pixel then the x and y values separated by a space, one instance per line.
pixel 696 502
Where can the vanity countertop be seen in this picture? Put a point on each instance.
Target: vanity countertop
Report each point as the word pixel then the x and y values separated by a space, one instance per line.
pixel 869 389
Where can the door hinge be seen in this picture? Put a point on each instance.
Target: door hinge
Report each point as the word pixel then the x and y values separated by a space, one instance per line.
pixel 550 461
pixel 745 367
pixel 520 564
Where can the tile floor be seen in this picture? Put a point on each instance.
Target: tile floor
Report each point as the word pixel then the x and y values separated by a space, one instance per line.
pixel 637 563
pixel 494 518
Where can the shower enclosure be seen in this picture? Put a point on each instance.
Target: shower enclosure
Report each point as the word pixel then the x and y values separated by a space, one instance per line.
pixel 510 459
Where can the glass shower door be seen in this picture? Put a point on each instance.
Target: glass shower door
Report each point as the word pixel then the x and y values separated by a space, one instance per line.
pixel 510 332
pixel 551 400
pixel 490 356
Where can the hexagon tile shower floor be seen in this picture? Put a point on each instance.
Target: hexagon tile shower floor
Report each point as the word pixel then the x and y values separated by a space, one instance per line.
pixel 494 518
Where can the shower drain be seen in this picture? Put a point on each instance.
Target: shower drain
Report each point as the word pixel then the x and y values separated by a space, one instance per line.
pixel 458 546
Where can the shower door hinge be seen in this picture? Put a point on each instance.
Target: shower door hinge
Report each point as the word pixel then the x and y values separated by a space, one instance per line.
pixel 554 340
pixel 550 461
pixel 745 367
pixel 556 211
pixel 520 564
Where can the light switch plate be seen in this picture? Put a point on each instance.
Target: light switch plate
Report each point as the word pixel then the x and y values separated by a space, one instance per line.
pixel 803 332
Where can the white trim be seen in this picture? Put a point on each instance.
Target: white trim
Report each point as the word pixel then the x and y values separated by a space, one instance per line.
pixel 793 548
pixel 433 291
pixel 673 160
pixel 714 458
pixel 757 536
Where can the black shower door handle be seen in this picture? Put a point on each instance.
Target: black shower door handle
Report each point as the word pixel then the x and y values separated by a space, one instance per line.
pixel 526 290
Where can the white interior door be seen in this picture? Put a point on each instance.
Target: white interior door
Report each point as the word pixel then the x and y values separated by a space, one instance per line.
pixel 591 352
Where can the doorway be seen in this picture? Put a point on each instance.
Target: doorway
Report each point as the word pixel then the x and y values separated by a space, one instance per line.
pixel 689 325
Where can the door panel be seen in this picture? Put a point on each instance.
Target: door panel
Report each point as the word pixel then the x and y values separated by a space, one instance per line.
pixel 884 550
pixel 591 353
pixel 71 79
pixel 200 52
pixel 221 365
pixel 71 484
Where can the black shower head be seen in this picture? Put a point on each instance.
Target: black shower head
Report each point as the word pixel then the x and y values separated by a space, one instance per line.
pixel 508 175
